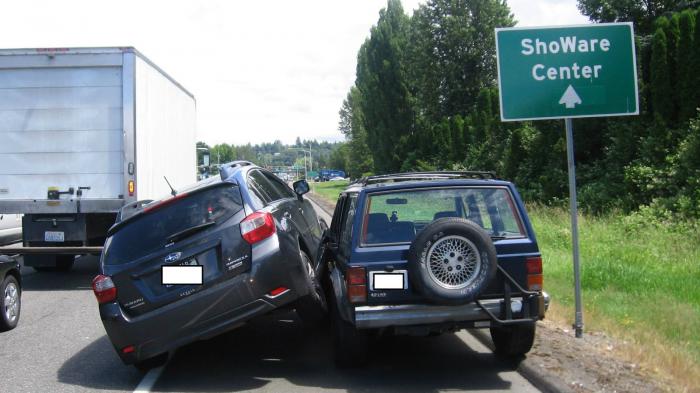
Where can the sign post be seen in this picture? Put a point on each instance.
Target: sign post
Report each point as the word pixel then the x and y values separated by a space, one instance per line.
pixel 565 72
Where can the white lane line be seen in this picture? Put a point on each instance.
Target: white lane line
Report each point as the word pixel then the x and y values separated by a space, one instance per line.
pixel 149 380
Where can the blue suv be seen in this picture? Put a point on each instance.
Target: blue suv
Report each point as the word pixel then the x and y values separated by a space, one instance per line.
pixel 432 252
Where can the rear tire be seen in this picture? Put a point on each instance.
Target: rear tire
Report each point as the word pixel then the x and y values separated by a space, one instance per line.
pixel 350 344
pixel 64 263
pixel 312 308
pixel 10 303
pixel 513 342
pixel 150 363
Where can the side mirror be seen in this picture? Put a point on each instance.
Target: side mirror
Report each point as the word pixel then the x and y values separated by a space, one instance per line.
pixel 301 187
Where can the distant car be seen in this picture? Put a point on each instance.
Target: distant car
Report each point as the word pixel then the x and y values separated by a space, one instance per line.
pixel 337 178
pixel 10 292
pixel 251 241
pixel 10 228
pixel 432 252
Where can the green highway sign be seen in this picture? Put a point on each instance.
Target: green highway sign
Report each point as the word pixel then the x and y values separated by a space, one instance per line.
pixel 567 71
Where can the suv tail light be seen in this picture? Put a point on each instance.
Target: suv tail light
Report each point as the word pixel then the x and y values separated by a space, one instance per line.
pixel 104 289
pixel 356 280
pixel 257 226
pixel 533 266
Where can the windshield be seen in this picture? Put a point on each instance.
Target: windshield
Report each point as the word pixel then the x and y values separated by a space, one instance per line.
pixel 151 231
pixel 398 216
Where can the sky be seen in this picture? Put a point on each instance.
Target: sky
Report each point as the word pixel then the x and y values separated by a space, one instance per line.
pixel 260 70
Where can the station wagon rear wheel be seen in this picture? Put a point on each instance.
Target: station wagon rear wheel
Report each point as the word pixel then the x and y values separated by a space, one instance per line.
pixel 452 261
pixel 312 308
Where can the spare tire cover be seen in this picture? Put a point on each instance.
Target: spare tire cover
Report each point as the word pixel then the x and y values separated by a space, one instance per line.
pixel 452 261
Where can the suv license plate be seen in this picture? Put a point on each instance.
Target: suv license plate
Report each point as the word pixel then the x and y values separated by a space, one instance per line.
pixel 55 237
pixel 182 274
pixel 388 280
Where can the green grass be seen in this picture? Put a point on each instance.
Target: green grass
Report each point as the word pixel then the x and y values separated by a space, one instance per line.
pixel 329 190
pixel 642 280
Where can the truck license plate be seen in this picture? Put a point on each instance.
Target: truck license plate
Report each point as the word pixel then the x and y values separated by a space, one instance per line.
pixel 56 237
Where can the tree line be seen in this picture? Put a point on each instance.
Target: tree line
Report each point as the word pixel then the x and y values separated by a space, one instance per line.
pixel 425 97
pixel 324 154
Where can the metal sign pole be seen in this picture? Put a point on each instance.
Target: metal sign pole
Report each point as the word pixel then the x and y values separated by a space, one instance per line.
pixel 578 325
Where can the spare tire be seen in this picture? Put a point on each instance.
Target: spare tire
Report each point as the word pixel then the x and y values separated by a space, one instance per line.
pixel 452 261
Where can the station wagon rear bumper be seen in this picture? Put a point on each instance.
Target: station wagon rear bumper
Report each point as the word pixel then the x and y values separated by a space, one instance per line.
pixel 371 317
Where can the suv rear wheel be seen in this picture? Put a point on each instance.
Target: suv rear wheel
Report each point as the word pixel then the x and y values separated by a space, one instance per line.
pixel 350 344
pixel 452 261
pixel 513 342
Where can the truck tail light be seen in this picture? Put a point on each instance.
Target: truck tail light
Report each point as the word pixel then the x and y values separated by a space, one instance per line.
pixel 356 280
pixel 132 188
pixel 104 289
pixel 533 266
pixel 257 226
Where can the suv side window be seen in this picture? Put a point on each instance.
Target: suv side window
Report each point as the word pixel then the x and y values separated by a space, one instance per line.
pixel 348 218
pixel 337 216
pixel 279 186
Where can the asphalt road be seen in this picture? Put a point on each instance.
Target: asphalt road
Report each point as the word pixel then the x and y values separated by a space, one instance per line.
pixel 60 346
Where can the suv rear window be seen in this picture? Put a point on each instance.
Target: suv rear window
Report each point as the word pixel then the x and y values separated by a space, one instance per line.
pixel 397 217
pixel 149 231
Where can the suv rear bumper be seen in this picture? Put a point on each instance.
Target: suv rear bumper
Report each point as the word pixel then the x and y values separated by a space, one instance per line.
pixel 371 317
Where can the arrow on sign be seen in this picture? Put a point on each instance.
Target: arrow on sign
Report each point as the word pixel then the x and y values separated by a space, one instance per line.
pixel 570 98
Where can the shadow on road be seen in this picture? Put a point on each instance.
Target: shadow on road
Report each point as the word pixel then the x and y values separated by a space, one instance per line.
pixel 276 347
pixel 98 367
pixel 79 278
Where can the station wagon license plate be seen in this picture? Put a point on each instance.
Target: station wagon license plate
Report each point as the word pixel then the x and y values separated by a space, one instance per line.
pixel 54 237
pixel 382 281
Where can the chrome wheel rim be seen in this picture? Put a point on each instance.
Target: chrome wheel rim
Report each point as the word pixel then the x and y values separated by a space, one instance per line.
pixel 11 302
pixel 453 262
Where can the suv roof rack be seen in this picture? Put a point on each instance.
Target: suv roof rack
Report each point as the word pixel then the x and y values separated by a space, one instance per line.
pixel 433 175
pixel 225 170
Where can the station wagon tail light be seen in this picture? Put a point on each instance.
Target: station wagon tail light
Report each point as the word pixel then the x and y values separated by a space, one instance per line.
pixel 131 187
pixel 356 280
pixel 533 266
pixel 104 289
pixel 257 226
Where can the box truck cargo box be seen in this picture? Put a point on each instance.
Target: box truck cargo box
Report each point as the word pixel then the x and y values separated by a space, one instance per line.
pixel 84 131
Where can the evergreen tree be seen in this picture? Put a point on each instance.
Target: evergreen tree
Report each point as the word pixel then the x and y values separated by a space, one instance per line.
pixel 381 80
pixel 684 74
pixel 694 84
pixel 660 79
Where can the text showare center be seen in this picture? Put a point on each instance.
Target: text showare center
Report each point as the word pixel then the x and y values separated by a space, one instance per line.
pixel 564 45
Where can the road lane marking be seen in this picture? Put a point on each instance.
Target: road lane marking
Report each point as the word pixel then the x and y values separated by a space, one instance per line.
pixel 149 380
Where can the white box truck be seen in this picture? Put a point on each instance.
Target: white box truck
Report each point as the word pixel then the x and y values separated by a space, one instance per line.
pixel 83 132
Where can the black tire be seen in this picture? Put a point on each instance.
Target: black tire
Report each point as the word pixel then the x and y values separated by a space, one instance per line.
pixel 468 252
pixel 312 308
pixel 10 303
pixel 64 263
pixel 150 363
pixel 350 345
pixel 513 342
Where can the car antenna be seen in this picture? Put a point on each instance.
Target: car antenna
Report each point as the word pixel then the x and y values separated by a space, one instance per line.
pixel 172 190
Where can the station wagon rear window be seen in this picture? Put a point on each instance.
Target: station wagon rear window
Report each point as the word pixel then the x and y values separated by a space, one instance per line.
pixel 397 217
